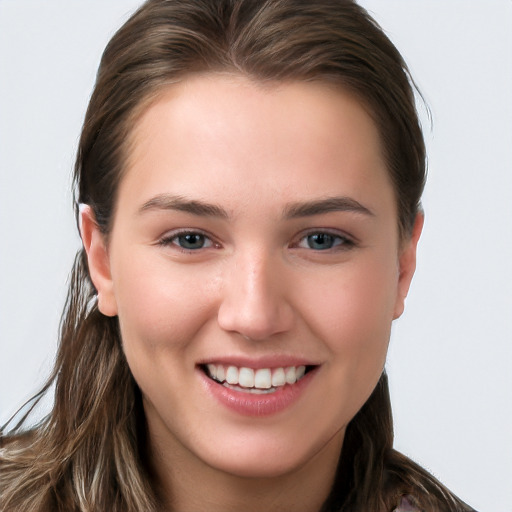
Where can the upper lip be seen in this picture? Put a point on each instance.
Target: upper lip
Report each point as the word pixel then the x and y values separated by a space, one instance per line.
pixel 268 361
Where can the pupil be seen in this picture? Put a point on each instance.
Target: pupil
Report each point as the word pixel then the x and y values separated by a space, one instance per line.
pixel 191 241
pixel 320 241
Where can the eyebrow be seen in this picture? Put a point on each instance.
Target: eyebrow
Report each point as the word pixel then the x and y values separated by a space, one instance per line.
pixel 182 204
pixel 291 211
pixel 330 204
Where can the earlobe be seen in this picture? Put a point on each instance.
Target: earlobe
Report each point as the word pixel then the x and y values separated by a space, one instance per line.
pixel 98 261
pixel 407 265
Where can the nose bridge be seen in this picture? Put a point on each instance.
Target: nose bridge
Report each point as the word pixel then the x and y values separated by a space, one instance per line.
pixel 254 302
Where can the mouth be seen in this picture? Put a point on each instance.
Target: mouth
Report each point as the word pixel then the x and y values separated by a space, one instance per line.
pixel 258 381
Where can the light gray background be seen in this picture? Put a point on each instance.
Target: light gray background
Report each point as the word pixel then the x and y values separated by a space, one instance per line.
pixel 450 361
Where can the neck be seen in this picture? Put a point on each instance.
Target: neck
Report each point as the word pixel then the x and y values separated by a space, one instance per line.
pixel 185 484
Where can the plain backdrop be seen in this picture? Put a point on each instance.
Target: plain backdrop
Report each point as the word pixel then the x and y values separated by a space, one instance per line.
pixel 450 361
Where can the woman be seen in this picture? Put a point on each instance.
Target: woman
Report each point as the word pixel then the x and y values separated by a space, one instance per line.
pixel 248 179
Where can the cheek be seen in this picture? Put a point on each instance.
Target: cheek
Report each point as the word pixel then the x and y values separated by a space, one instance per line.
pixel 354 320
pixel 354 309
pixel 160 308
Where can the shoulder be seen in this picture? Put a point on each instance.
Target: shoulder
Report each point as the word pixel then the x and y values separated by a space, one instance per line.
pixel 407 505
pixel 17 457
pixel 420 490
pixel 17 443
pixel 24 481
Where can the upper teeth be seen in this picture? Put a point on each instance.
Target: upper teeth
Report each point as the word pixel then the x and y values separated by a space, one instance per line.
pixel 262 378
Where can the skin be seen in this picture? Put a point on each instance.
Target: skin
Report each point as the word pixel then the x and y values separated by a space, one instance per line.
pixel 256 288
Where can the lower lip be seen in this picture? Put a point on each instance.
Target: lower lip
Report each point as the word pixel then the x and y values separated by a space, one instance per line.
pixel 250 404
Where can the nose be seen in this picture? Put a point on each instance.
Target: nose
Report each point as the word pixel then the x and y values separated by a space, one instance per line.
pixel 254 300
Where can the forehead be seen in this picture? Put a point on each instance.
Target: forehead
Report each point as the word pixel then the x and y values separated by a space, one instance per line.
pixel 223 132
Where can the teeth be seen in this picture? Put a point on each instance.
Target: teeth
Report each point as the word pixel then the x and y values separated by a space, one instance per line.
pixel 212 370
pixel 278 377
pixel 256 381
pixel 290 375
pixel 220 374
pixel 246 378
pixel 232 375
pixel 254 391
pixel 263 379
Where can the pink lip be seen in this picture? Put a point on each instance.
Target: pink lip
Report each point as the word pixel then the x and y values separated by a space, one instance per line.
pixel 257 405
pixel 276 361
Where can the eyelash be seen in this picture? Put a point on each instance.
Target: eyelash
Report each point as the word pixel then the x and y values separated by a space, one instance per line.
pixel 340 242
pixel 172 237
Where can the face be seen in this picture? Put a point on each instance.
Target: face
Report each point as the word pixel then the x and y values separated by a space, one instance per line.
pixel 255 267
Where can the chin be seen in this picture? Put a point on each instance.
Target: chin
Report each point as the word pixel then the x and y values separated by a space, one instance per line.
pixel 262 458
pixel 259 469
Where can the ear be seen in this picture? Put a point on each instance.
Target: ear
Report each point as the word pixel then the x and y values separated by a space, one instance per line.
pixel 407 265
pixel 98 260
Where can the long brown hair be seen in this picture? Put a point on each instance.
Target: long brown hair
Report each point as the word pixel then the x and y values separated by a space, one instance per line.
pixel 88 454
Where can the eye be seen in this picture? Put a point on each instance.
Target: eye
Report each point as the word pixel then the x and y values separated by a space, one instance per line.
pixel 323 241
pixel 188 240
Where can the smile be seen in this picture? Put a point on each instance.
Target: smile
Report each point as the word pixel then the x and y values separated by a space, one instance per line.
pixel 256 381
pixel 259 390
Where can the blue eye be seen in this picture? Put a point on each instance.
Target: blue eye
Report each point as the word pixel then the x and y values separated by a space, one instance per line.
pixel 322 241
pixel 191 241
pixel 188 241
